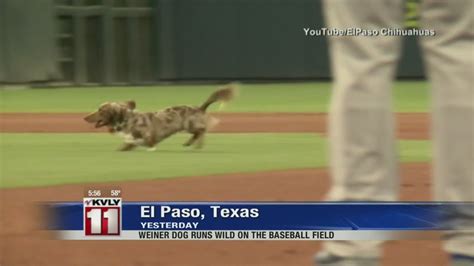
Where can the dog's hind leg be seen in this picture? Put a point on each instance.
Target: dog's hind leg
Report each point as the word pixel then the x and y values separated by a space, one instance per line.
pixel 200 140
pixel 191 140
pixel 197 138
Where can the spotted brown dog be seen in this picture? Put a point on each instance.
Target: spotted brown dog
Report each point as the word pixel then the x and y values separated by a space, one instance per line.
pixel 150 128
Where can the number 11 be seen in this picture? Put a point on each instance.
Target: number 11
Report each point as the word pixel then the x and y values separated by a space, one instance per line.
pixel 95 216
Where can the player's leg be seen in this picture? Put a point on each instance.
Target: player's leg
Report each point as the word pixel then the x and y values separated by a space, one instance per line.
pixel 449 57
pixel 363 158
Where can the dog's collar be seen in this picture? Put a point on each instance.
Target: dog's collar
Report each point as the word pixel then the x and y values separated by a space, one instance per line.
pixel 119 127
pixel 121 123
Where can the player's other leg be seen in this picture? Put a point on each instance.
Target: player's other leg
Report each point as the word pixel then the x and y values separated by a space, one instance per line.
pixel 449 57
pixel 361 130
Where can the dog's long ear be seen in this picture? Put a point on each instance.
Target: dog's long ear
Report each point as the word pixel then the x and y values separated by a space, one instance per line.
pixel 131 104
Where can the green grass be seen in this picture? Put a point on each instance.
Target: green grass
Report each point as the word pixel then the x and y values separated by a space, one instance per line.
pixel 283 97
pixel 49 159
pixel 414 150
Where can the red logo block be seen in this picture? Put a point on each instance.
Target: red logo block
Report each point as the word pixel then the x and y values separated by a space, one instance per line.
pixel 102 217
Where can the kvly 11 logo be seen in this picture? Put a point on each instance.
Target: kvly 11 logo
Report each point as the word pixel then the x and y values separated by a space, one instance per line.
pixel 102 216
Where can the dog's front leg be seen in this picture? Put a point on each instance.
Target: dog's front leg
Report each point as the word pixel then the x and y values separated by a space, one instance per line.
pixel 127 147
pixel 150 142
pixel 130 143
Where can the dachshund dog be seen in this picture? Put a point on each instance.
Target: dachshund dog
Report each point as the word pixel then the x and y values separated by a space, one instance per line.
pixel 150 128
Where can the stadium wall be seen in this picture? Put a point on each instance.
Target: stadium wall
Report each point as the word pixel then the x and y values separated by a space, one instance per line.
pixel 27 44
pixel 144 41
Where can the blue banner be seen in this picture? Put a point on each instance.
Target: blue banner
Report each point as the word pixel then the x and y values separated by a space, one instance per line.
pixel 265 216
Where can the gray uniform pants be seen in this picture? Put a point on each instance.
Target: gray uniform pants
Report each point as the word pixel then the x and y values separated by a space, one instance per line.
pixel 362 146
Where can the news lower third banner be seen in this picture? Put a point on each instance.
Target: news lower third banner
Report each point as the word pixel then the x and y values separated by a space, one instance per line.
pixel 112 219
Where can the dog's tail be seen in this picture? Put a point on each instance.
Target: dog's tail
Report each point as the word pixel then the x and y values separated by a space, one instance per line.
pixel 224 94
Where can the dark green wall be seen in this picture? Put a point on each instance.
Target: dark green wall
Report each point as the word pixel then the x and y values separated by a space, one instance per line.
pixel 27 43
pixel 239 39
pixel 247 39
pixel 193 39
pixel 411 63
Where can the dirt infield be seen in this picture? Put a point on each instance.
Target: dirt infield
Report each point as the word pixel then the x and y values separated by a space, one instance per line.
pixel 23 244
pixel 410 125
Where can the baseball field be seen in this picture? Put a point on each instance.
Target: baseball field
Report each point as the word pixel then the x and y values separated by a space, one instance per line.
pixel 270 145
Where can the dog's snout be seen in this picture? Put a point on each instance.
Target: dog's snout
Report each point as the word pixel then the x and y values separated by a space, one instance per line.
pixel 91 118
